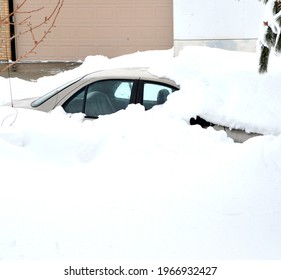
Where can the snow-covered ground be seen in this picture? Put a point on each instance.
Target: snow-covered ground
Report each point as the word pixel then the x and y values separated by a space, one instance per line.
pixel 145 184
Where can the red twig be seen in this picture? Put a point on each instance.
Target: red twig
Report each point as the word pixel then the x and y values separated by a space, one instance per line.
pixel 51 18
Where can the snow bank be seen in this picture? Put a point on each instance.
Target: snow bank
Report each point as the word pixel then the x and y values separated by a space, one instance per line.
pixel 221 86
pixel 225 88
pixel 145 184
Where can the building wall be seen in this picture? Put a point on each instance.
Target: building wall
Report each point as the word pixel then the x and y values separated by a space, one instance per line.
pixel 99 27
pixel 5 46
pixel 231 24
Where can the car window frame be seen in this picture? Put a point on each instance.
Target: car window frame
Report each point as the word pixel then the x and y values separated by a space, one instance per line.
pixel 142 83
pixel 42 99
pixel 86 87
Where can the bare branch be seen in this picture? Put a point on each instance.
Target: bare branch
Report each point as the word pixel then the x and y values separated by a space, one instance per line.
pixel 29 28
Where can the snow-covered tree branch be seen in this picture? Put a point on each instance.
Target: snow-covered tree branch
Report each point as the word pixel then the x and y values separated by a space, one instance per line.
pixel 270 38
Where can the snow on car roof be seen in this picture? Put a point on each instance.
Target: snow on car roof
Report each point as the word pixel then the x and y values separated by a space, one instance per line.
pixel 131 73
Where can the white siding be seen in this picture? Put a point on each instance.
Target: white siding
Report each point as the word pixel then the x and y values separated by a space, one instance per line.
pixel 227 24
pixel 217 19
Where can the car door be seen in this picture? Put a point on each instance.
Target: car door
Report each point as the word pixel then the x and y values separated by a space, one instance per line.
pixel 102 97
pixel 152 93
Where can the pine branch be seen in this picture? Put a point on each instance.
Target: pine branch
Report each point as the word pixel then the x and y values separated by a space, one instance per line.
pixel 278 44
pixel 276 8
pixel 270 37
pixel 264 1
pixel 264 58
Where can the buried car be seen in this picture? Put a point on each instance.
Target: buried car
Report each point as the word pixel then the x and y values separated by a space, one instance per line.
pixel 105 92
pixel 108 91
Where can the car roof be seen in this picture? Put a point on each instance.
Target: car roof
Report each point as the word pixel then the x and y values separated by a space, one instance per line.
pixel 130 73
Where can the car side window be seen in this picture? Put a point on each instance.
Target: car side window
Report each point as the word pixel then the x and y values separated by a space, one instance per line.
pixel 76 103
pixel 155 94
pixel 124 91
pixel 101 98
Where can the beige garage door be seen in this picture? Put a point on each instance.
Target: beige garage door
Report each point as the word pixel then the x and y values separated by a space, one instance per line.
pixel 98 27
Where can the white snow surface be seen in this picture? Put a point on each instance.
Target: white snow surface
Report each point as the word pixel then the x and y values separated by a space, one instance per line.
pixel 145 184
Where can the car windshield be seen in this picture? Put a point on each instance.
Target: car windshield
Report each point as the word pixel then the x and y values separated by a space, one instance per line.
pixel 52 93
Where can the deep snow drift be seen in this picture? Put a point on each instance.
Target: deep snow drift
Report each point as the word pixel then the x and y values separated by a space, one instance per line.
pixel 146 185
